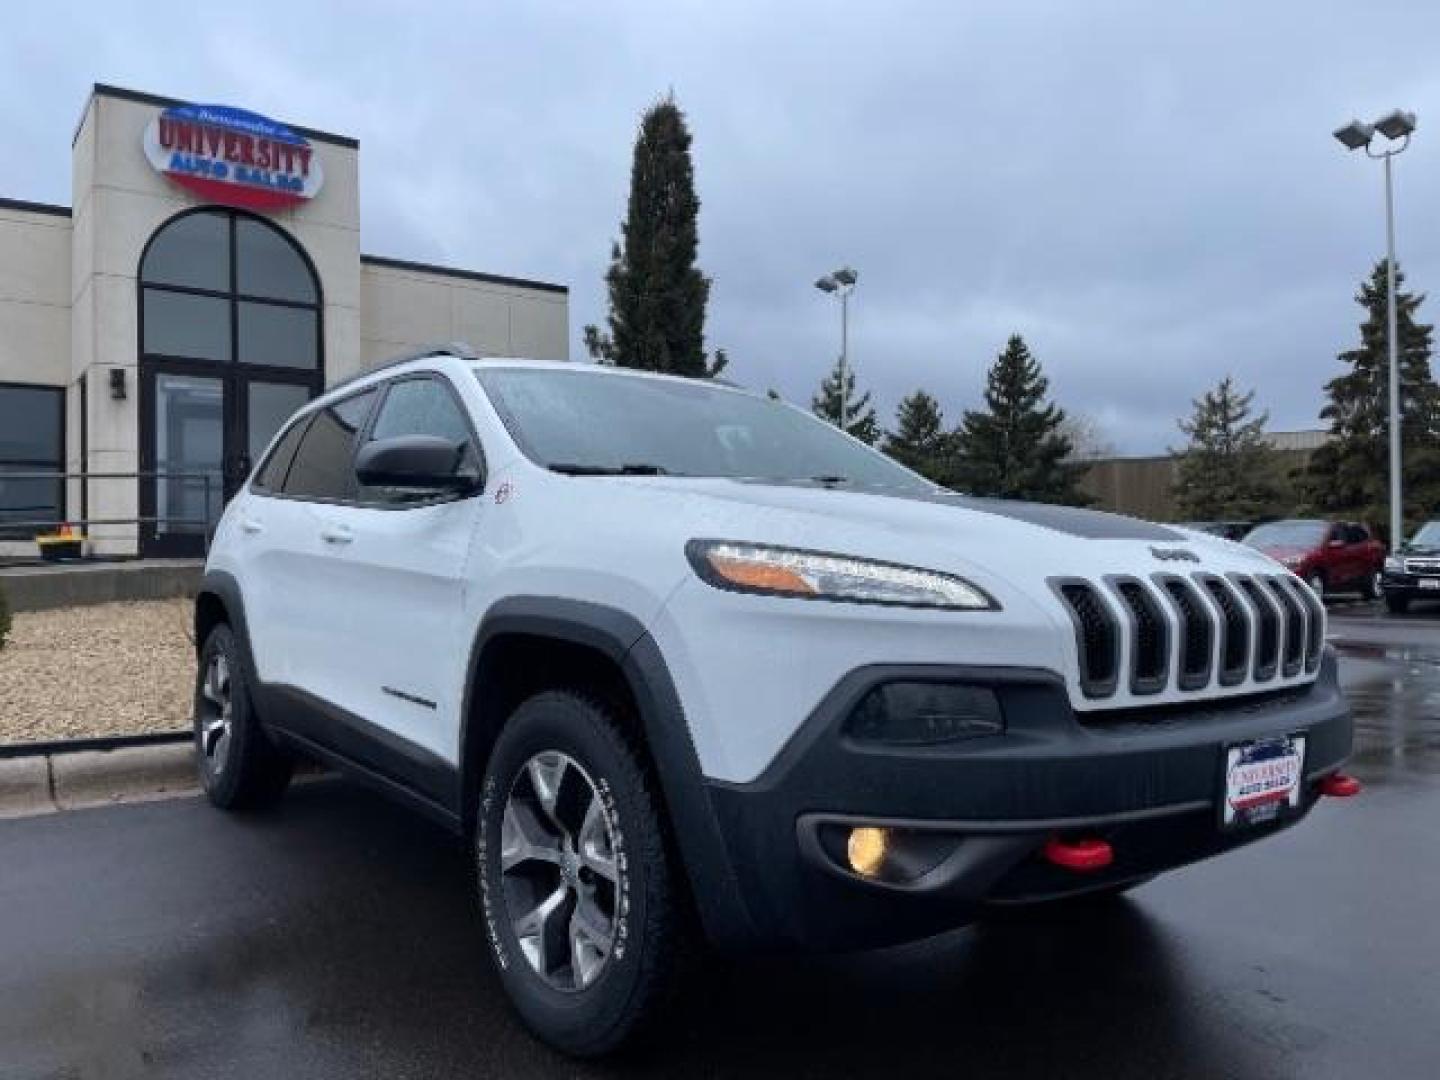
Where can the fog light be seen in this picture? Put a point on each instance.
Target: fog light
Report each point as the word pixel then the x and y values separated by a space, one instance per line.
pixel 866 849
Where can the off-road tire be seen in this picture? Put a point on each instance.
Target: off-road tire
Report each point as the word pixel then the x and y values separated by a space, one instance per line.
pixel 651 934
pixel 254 772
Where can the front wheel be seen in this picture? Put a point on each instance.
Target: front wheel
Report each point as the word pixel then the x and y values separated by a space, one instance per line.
pixel 581 901
pixel 1396 604
pixel 1370 588
pixel 240 768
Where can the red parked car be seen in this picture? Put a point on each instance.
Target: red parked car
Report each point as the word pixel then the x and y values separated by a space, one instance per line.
pixel 1332 556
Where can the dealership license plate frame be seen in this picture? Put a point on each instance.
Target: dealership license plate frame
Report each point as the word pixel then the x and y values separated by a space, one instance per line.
pixel 1276 807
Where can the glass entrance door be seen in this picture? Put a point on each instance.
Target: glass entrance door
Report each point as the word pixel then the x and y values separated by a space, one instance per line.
pixel 201 433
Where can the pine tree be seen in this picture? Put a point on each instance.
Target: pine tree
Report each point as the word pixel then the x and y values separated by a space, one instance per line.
pixel 1227 471
pixel 1350 475
pixel 919 440
pixel 1015 448
pixel 657 293
pixel 859 420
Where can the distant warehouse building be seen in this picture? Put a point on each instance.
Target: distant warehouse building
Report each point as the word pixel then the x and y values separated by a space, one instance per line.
pixel 204 282
pixel 1142 486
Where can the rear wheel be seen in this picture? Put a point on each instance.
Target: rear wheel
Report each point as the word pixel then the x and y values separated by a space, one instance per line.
pixel 581 901
pixel 239 766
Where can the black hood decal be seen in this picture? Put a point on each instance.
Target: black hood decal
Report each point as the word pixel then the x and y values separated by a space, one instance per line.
pixel 1071 520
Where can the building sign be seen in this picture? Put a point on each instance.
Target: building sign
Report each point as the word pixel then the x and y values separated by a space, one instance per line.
pixel 234 157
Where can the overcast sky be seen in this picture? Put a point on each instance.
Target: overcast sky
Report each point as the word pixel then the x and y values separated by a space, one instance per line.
pixel 1148 192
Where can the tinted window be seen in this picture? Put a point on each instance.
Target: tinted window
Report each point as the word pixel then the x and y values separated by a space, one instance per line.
pixel 1288 534
pixel 1356 534
pixel 272 474
pixel 266 264
pixel 183 324
pixel 278 336
pixel 31 427
pixel 421 407
pixel 591 420
pixel 324 465
pixel 193 251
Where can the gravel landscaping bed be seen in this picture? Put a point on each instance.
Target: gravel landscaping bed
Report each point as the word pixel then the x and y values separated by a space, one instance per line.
pixel 109 669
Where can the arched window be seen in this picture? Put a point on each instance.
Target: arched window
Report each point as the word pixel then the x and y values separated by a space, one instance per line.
pixel 226 287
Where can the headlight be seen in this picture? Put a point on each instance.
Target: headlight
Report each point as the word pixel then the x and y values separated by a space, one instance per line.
pixel 817 575
pixel 1394 565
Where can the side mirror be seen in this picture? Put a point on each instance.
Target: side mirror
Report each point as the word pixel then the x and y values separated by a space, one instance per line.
pixel 417 462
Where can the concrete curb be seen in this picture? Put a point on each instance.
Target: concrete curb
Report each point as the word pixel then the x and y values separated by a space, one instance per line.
pixel 43 784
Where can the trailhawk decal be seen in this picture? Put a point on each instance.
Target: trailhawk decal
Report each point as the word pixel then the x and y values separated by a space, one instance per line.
pixel 232 156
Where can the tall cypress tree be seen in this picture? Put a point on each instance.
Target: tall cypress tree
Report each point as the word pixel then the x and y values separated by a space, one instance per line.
pixel 919 440
pixel 1015 447
pixel 1227 470
pixel 1350 475
pixel 657 293
pixel 859 419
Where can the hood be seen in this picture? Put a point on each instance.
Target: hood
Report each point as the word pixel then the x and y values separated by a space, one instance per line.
pixel 989 539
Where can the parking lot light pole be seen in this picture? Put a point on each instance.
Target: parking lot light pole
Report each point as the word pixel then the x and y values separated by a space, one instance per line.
pixel 841 283
pixel 1396 126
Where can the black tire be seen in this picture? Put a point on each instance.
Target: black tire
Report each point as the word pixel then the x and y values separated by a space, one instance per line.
pixel 240 768
pixel 1370 587
pixel 1397 605
pixel 649 933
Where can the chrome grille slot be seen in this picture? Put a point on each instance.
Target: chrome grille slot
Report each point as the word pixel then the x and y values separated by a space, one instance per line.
pixel 1097 635
pixel 1149 636
pixel 1315 624
pixel 1197 631
pixel 1267 638
pixel 1294 645
pixel 1234 629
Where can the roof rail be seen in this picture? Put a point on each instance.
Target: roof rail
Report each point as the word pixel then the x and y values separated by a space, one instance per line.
pixel 454 348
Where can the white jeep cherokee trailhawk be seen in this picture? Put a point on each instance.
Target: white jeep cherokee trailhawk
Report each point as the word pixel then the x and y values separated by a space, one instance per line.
pixel 678 658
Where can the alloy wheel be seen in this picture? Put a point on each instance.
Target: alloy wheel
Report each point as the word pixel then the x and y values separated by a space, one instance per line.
pixel 216 707
pixel 559 871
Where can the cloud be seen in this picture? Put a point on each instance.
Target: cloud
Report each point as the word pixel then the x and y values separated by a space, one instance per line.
pixel 1149 194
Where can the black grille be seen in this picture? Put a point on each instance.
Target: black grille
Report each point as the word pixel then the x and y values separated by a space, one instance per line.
pixel 1267 646
pixel 1294 650
pixel 1315 625
pixel 1234 631
pixel 1096 636
pixel 1150 638
pixel 1196 632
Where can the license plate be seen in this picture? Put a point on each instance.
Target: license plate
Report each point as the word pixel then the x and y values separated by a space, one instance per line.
pixel 1430 583
pixel 1262 780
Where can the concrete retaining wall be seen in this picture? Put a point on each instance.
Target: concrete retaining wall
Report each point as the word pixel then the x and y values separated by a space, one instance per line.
pixel 42 588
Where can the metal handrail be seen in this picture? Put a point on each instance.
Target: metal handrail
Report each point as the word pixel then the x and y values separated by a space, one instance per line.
pixel 205 523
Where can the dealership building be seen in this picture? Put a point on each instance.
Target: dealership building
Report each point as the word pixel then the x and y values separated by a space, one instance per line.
pixel 204 282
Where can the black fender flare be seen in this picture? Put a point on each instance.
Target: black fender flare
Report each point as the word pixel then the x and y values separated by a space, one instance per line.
pixel 622 638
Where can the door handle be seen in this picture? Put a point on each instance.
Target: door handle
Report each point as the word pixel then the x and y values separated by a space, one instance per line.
pixel 251 526
pixel 336 534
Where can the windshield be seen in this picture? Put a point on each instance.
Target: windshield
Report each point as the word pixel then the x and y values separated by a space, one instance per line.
pixel 1428 535
pixel 589 422
pixel 1295 534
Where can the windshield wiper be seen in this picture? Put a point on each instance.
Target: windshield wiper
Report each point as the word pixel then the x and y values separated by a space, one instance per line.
pixel 629 469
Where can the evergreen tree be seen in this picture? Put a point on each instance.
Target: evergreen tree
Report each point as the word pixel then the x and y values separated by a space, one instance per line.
pixel 1350 475
pixel 1015 447
pixel 859 419
pixel 657 294
pixel 1227 471
pixel 919 440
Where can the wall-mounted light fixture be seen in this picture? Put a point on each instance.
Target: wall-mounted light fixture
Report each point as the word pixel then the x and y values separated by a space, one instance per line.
pixel 117 384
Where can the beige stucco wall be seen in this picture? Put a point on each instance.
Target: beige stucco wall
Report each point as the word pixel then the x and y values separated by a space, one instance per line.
pixel 403 310
pixel 34 297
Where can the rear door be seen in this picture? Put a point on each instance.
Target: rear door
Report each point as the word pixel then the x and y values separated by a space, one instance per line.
pixel 397 575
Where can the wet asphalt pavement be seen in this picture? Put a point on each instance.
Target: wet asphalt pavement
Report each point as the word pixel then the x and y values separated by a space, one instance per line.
pixel 337 938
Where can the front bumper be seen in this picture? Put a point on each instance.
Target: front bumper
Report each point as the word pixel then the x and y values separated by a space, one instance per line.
pixel 1411 586
pixel 1147 782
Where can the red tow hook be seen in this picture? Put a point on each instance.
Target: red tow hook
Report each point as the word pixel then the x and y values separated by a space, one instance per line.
pixel 1079 855
pixel 1339 786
